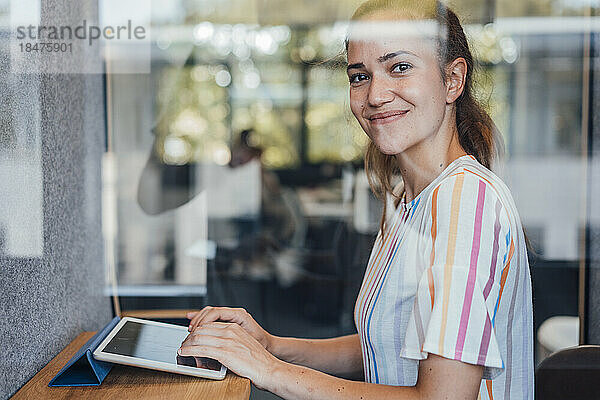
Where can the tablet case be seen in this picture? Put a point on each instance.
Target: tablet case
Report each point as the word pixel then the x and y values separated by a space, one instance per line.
pixel 82 369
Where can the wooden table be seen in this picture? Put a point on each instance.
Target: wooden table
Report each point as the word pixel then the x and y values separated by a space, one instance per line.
pixel 132 383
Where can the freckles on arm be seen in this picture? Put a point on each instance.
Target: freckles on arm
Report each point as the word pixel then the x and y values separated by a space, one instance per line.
pixel 442 378
pixel 439 378
pixel 294 382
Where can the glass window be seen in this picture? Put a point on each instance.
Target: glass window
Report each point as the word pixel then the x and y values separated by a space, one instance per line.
pixel 237 161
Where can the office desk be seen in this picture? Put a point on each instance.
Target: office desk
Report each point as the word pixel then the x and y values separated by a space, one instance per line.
pixel 132 383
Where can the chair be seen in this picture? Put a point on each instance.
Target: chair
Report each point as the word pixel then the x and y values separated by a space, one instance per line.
pixel 572 373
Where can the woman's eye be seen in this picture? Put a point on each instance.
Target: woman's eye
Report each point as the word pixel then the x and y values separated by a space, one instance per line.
pixel 356 78
pixel 401 67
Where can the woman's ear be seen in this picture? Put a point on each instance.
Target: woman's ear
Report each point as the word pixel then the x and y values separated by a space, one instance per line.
pixel 456 76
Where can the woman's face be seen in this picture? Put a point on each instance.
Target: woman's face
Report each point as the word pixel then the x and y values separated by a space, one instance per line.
pixel 396 90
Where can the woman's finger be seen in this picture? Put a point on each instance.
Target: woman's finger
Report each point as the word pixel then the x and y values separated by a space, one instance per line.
pixel 214 338
pixel 201 351
pixel 232 346
pixel 218 325
pixel 196 317
pixel 210 330
pixel 201 317
pixel 235 315
pixel 217 329
pixel 193 314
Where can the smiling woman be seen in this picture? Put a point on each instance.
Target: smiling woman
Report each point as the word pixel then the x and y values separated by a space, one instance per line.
pixel 435 314
pixel 444 55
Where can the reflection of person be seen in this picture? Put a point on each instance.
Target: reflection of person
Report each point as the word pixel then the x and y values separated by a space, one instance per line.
pixel 257 254
pixel 445 306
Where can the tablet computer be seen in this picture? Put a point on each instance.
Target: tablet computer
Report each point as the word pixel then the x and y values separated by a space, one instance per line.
pixel 150 344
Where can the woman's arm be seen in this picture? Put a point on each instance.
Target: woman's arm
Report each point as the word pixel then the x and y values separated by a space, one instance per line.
pixel 439 378
pixel 338 356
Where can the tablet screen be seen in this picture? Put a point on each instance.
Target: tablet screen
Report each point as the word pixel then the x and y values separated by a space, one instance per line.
pixel 155 343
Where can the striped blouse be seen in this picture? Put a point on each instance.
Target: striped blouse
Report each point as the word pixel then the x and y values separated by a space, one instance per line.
pixel 451 277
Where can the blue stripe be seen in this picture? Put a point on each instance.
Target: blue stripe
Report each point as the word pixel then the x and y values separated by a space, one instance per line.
pixel 396 223
pixel 368 338
pixel 495 309
pixel 504 262
pixel 412 210
pixel 373 308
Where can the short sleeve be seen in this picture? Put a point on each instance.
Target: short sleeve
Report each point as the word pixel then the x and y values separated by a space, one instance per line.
pixel 463 250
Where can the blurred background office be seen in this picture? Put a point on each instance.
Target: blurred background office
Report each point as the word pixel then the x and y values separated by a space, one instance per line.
pixel 280 219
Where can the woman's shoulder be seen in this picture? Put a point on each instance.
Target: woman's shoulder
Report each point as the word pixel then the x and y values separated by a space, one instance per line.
pixel 470 182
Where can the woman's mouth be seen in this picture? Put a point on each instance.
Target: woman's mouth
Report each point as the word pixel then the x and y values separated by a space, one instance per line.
pixel 387 117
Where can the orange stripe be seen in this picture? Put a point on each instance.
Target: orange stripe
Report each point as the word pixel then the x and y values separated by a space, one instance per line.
pixel 482 177
pixel 433 236
pixel 372 273
pixel 371 270
pixel 454 210
pixel 488 383
pixel 431 286
pixel 505 270
pixel 384 246
pixel 475 173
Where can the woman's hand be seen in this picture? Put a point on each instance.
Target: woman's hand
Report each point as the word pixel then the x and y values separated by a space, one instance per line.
pixel 234 347
pixel 237 316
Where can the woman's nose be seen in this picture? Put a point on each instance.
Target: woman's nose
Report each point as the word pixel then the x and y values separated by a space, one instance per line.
pixel 380 92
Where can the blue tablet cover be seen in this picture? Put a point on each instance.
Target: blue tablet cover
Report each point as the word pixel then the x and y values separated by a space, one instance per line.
pixel 82 369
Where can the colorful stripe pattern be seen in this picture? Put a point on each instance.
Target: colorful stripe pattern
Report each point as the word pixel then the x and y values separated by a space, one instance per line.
pixel 451 277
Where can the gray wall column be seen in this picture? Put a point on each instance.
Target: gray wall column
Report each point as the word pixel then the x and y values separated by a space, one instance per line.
pixel 47 301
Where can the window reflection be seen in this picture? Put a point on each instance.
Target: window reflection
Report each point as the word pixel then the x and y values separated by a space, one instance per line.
pixel 218 71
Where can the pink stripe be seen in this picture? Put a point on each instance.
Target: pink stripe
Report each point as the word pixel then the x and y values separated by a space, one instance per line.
pixel 375 268
pixel 367 300
pixel 378 248
pixel 375 285
pixel 485 341
pixel 369 304
pixel 381 243
pixel 464 318
pixel 488 285
pixel 377 273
